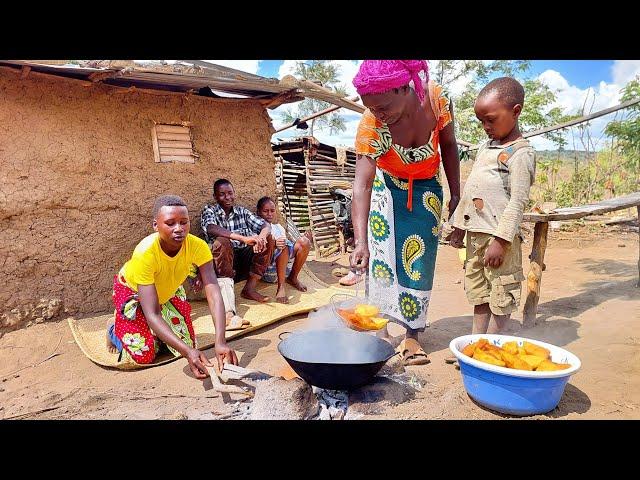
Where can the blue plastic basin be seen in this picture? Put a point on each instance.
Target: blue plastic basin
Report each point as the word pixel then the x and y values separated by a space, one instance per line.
pixel 514 392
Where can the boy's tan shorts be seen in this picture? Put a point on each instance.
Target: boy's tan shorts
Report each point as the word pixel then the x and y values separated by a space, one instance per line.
pixel 499 287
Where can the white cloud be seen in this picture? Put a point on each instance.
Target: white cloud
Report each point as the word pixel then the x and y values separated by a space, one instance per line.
pixel 569 98
pixel 572 99
pixel 456 87
pixel 624 70
pixel 554 80
pixel 276 112
pixel 249 66
pixel 347 69
pixel 287 68
pixel 541 143
pixel 347 137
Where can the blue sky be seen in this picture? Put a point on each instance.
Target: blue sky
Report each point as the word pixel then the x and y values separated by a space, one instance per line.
pixel 269 68
pixel 574 81
pixel 582 73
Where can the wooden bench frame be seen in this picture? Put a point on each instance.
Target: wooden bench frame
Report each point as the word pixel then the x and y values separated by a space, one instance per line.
pixel 541 229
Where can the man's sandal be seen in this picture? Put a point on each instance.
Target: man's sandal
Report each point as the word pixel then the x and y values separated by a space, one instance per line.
pixel 237 323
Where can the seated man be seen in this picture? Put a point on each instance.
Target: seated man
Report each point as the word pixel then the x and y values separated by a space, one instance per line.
pixel 241 244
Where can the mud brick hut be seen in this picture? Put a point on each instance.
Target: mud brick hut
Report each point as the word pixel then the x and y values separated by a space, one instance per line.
pixel 84 150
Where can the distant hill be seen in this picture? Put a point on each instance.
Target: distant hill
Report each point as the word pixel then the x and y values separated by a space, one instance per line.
pixel 565 155
pixel 568 156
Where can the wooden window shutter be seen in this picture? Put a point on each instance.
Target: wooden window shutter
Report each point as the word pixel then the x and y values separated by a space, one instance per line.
pixel 172 143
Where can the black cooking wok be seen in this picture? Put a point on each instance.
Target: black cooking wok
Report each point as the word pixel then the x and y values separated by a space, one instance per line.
pixel 335 358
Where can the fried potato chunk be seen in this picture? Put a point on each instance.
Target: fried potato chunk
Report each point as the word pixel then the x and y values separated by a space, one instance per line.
pixel 536 350
pixel 529 357
pixel 367 310
pixel 532 360
pixel 485 357
pixel 549 366
pixel 469 349
pixel 511 347
pixel 513 361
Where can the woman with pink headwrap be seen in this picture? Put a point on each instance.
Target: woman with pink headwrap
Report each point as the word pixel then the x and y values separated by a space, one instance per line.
pixel 397 192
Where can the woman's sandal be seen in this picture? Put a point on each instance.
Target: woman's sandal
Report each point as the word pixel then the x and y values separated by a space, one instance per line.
pixel 412 353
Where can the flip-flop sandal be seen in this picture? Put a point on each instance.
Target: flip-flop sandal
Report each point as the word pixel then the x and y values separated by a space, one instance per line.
pixel 350 279
pixel 412 353
pixel 451 359
pixel 339 272
pixel 237 323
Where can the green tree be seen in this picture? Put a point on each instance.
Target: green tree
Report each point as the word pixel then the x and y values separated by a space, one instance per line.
pixel 627 131
pixel 325 73
pixel 448 71
pixel 536 113
pixel 477 72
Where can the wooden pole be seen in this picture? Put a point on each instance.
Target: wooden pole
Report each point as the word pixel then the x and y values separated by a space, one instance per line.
pixel 534 278
pixel 638 209
pixel 310 89
pixel 576 121
pixel 315 115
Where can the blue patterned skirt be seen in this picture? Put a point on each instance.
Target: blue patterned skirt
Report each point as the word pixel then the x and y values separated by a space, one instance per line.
pixel 403 245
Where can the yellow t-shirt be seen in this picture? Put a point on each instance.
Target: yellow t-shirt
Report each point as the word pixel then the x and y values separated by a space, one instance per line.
pixel 150 265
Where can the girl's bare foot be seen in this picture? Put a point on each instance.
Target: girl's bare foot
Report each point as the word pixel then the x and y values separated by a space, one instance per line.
pixel 294 282
pixel 281 295
pixel 253 295
pixel 110 346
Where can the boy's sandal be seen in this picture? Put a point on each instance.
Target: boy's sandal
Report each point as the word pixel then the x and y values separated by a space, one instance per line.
pixel 237 323
pixel 412 353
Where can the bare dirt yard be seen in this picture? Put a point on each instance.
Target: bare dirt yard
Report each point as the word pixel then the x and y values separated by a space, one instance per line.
pixel 589 305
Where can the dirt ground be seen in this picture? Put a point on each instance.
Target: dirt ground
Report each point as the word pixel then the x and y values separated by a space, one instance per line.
pixel 589 305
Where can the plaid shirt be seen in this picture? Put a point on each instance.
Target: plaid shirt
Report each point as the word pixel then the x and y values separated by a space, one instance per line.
pixel 240 220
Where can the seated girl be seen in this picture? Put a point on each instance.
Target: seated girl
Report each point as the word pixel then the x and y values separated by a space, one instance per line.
pixel 285 251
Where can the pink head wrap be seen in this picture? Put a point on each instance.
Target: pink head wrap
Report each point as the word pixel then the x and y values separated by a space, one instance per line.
pixel 379 76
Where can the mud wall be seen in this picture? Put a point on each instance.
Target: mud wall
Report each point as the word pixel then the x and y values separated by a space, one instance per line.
pixel 78 180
